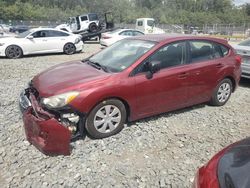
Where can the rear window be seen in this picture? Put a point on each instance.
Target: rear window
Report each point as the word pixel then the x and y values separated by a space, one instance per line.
pixel 206 50
pixel 245 43
pixel 93 17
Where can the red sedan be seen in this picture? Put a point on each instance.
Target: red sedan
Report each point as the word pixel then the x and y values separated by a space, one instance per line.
pixel 228 169
pixel 132 79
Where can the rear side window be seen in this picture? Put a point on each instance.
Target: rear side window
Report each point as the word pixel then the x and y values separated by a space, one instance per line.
pixel 137 33
pixel 224 50
pixel 126 33
pixel 57 34
pixel 205 50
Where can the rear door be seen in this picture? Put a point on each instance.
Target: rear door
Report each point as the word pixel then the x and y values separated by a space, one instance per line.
pixel 206 65
pixel 57 40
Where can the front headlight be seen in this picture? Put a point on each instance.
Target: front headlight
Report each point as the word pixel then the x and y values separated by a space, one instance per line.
pixel 59 101
pixel 77 40
pixel 1 44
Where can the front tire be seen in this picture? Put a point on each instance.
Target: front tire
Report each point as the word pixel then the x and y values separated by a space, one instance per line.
pixel 69 48
pixel 106 119
pixel 222 93
pixel 13 52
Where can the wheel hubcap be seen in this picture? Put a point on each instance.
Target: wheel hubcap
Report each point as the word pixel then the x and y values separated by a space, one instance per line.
pixel 14 52
pixel 69 48
pixel 224 92
pixel 107 119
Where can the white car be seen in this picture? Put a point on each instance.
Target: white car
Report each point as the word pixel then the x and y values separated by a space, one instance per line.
pixel 243 49
pixel 110 38
pixel 40 41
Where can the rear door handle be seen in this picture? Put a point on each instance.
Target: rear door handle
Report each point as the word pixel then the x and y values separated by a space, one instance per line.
pixel 219 65
pixel 183 75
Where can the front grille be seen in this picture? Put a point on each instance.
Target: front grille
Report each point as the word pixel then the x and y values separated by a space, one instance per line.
pixel 32 90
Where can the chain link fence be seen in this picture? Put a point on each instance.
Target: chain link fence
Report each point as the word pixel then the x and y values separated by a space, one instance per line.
pixel 214 29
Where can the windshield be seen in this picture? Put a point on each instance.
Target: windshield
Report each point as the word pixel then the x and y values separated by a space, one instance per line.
pixel 245 43
pixel 24 34
pixel 151 23
pixel 122 54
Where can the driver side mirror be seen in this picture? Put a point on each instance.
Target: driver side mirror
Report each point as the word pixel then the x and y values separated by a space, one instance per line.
pixel 153 67
pixel 30 37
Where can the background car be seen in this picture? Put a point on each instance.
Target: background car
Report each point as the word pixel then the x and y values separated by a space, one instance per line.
pixel 132 79
pixel 39 41
pixel 228 169
pixel 6 28
pixel 243 49
pixel 110 38
pixel 19 28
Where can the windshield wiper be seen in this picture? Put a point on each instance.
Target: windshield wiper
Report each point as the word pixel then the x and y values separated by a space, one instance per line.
pixel 97 65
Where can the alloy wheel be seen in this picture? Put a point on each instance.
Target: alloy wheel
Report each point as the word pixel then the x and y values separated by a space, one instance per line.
pixel 13 52
pixel 69 48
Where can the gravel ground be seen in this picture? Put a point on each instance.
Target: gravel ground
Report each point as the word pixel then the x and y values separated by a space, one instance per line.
pixel 161 151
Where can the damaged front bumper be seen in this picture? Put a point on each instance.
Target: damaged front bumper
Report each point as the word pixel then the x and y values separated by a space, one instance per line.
pixel 42 128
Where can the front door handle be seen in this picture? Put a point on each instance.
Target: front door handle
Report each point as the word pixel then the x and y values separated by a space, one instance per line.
pixel 219 65
pixel 183 75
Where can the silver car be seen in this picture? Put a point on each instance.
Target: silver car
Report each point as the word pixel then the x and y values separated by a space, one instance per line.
pixel 243 49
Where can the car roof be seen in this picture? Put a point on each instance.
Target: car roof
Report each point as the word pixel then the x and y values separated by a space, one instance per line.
pixel 169 37
pixel 121 30
pixel 44 28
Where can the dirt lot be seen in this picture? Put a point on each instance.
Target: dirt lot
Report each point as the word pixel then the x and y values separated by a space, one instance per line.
pixel 161 151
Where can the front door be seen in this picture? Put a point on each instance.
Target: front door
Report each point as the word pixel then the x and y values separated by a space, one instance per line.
pixel 167 89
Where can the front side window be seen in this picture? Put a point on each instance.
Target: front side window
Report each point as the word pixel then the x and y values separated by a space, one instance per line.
pixel 40 34
pixel 171 55
pixel 205 50
pixel 122 54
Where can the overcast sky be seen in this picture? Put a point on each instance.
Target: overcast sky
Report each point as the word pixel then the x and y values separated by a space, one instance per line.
pixel 240 2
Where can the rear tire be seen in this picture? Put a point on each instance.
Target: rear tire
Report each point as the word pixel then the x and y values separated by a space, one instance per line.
pixel 106 119
pixel 13 52
pixel 222 93
pixel 69 48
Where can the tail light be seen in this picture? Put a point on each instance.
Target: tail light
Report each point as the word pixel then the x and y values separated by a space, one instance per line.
pixel 238 59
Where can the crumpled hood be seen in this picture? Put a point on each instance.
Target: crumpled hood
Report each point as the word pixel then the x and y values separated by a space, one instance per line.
pixel 66 77
pixel 234 166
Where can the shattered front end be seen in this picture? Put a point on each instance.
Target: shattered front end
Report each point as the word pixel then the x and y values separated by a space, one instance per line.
pixel 50 132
